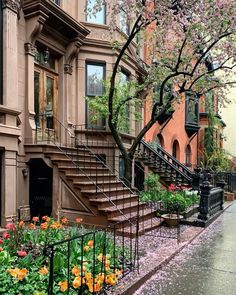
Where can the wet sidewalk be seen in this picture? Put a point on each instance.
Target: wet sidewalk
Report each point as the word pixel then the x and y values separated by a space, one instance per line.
pixel 206 266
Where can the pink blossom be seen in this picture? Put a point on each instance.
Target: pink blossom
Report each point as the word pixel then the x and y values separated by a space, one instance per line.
pixel 10 226
pixel 6 235
pixel 21 253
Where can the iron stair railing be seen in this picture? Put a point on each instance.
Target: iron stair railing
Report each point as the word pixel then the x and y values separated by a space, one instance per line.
pixel 159 158
pixel 64 139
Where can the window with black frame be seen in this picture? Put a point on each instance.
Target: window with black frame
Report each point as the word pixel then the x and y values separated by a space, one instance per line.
pixel 96 17
pixel 188 156
pixel 125 125
pixel 123 22
pixel 191 113
pixel 95 76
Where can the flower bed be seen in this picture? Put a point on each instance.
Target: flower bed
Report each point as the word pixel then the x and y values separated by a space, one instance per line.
pixel 24 269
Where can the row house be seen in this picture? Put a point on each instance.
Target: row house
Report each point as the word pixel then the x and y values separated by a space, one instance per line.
pixel 53 55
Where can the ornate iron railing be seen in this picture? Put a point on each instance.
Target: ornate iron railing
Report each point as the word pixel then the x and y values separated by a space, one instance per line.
pixel 164 163
pixel 93 165
pixel 93 261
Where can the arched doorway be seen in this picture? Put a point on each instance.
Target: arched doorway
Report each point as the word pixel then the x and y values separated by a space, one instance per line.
pixel 188 156
pixel 176 149
pixel 40 188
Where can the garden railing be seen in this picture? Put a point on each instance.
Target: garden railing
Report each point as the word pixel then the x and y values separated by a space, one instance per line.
pixel 93 261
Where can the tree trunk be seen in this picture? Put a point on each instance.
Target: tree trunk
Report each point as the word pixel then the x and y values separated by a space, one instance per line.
pixel 128 171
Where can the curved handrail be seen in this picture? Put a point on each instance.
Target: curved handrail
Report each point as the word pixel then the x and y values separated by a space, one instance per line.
pixel 186 173
pixel 73 137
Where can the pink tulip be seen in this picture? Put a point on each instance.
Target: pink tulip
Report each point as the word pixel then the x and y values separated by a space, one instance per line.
pixel 21 253
pixel 10 226
pixel 6 235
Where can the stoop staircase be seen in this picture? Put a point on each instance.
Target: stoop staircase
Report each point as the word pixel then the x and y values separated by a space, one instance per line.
pixel 165 165
pixel 97 185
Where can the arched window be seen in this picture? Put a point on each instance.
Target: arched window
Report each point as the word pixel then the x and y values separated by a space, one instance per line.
pixel 188 156
pixel 160 140
pixel 175 149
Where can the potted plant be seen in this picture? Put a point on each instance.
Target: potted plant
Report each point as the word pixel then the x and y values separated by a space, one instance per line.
pixel 174 204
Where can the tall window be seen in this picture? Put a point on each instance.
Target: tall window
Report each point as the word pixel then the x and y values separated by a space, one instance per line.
pixel 95 75
pixel 99 17
pixel 125 124
pixel 175 149
pixel 123 22
pixel 188 155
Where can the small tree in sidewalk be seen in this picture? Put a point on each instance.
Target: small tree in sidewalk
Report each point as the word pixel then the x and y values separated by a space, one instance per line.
pixel 187 44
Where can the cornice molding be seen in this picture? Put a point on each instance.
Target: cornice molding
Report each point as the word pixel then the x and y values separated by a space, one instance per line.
pixel 13 5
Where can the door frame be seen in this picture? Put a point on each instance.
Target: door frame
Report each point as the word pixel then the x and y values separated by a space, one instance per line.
pixel 43 74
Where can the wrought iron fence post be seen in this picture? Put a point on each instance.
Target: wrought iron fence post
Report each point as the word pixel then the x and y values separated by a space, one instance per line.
pixel 221 183
pixel 205 190
pixel 196 179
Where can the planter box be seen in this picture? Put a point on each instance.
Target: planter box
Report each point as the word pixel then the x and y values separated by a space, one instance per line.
pixel 172 220
pixel 229 197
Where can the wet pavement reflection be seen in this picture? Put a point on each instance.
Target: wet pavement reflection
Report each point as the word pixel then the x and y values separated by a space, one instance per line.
pixel 205 267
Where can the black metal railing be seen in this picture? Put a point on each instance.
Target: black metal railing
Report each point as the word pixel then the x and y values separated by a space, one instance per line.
pixel 229 179
pixel 164 163
pixel 211 200
pixel 95 176
pixel 90 263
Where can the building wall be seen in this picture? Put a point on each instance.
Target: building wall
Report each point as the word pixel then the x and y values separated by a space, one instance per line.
pixel 228 113
pixel 172 130
pixel 24 31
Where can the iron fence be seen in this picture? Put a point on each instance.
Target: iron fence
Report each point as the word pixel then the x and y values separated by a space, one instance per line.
pixel 229 179
pixel 91 263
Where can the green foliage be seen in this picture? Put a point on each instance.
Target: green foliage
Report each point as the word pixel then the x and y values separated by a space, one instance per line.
pixel 153 189
pixel 125 104
pixel 27 273
pixel 213 156
pixel 174 203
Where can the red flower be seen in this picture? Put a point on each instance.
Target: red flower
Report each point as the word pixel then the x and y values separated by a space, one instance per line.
pixel 1 241
pixel 10 226
pixel 172 187
pixel 21 253
pixel 6 235
pixel 64 220
pixel 78 220
pixel 1 249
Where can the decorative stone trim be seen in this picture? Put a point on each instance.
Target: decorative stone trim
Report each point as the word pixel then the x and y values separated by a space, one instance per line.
pixel 30 49
pixel 13 5
pixel 68 69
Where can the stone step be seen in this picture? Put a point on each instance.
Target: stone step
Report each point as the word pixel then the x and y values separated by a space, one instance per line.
pixel 130 230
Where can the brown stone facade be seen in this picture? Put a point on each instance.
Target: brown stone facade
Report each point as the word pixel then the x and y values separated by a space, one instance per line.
pixel 46 52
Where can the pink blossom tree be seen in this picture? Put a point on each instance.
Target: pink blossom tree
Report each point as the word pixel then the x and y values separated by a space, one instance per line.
pixel 191 45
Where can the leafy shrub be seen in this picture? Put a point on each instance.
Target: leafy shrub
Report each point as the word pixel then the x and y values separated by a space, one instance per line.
pixel 153 189
pixel 24 269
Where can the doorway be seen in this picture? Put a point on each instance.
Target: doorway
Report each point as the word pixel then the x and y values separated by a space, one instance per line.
pixel 40 188
pixel 45 99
